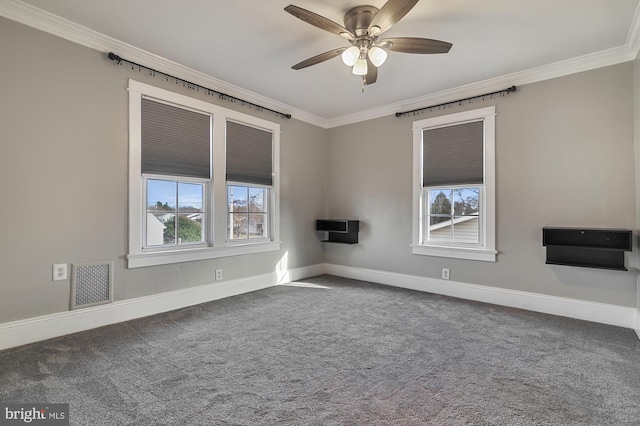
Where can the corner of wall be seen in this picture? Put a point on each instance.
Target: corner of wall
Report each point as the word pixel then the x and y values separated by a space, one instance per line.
pixel 636 145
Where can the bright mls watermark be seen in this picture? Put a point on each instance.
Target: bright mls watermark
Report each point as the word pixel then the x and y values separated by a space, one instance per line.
pixel 34 414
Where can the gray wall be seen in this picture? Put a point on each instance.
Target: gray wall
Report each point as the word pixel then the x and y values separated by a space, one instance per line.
pixel 564 157
pixel 63 168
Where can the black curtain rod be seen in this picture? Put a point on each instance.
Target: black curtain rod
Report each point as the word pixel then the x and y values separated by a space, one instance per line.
pixel 196 86
pixel 459 101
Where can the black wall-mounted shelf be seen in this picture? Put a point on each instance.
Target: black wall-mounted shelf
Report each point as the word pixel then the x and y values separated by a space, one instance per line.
pixel 339 231
pixel 590 248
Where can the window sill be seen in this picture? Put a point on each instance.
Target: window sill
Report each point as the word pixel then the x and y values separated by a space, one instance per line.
pixel 140 260
pixel 466 253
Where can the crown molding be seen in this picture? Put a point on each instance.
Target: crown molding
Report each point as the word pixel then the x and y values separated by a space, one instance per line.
pixel 588 62
pixel 625 53
pixel 55 25
pixel 633 37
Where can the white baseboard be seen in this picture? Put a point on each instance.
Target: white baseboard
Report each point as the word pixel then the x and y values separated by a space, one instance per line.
pixel 22 332
pixel 580 309
pixel 299 273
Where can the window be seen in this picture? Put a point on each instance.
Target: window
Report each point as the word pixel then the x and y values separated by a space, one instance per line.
pixel 454 185
pixel 453 215
pixel 249 181
pixel 175 213
pixel 176 168
pixel 247 212
pixel 203 180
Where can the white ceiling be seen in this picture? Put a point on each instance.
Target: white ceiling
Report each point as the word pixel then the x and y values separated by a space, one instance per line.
pixel 253 44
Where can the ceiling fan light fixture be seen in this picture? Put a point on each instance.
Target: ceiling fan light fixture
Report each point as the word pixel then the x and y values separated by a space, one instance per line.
pixel 350 56
pixel 360 67
pixel 377 56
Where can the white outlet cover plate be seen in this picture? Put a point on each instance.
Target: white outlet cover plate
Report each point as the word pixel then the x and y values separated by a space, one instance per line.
pixel 59 271
pixel 445 273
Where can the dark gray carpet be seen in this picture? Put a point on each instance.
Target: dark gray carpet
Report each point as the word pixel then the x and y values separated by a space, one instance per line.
pixel 336 352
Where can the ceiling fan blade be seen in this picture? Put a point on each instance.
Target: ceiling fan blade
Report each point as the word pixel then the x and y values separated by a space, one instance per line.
pixel 390 13
pixel 415 45
pixel 319 21
pixel 319 58
pixel 372 73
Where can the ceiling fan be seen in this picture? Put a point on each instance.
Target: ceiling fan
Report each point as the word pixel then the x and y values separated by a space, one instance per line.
pixel 362 27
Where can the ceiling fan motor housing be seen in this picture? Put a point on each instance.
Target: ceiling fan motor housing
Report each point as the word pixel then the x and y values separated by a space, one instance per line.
pixel 358 19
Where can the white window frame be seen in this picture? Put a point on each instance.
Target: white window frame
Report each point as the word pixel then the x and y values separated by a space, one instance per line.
pixel 216 191
pixel 180 179
pixel 267 212
pixel 486 249
pixel 426 207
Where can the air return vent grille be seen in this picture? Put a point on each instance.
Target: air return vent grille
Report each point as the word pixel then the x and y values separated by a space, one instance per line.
pixel 91 284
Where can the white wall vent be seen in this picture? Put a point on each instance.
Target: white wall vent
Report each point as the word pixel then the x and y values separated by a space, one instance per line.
pixel 91 284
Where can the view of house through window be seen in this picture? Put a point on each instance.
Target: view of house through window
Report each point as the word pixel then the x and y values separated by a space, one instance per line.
pixel 453 214
pixel 168 200
pixel 247 212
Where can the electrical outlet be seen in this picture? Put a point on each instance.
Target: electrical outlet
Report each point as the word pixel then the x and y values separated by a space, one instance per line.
pixel 59 271
pixel 218 274
pixel 445 273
